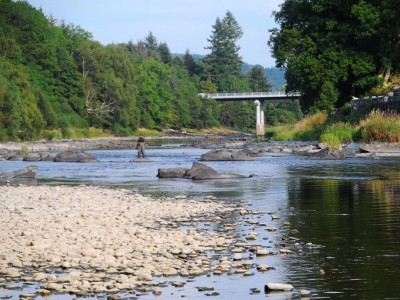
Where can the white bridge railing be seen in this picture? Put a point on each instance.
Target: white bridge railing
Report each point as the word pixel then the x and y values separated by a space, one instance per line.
pixel 250 95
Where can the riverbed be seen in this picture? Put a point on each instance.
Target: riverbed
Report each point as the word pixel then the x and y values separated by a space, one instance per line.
pixel 340 218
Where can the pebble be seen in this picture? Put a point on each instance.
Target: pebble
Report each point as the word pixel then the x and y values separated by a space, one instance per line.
pixel 109 240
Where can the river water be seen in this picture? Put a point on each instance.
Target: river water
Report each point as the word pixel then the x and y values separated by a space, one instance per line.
pixel 349 210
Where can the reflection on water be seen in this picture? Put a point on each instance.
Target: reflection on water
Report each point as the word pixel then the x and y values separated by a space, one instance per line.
pixel 349 209
pixel 358 224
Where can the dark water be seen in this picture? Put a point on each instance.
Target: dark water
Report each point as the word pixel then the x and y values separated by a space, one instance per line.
pixel 349 210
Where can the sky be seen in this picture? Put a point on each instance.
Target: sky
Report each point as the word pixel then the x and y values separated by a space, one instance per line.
pixel 181 24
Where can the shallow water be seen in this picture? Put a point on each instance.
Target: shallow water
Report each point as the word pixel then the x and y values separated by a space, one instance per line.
pixel 349 210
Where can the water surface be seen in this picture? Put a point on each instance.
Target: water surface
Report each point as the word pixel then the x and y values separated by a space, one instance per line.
pixel 349 210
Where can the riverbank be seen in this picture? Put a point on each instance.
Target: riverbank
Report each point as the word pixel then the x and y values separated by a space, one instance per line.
pixel 205 140
pixel 80 240
pixel 115 143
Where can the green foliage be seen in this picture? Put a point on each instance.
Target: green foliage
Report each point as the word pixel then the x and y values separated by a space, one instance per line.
pixel 337 134
pixel 350 44
pixel 327 98
pixel 258 82
pixel 282 112
pixel 57 82
pixel 224 60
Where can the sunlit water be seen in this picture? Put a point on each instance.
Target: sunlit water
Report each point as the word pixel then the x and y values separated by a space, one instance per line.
pixel 349 210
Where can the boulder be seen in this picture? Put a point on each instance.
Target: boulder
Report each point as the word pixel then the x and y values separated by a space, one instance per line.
pixel 325 154
pixel 28 172
pixel 226 155
pixel 382 149
pixel 172 172
pixel 34 156
pixel 197 172
pixel 16 156
pixel 75 156
pixel 201 172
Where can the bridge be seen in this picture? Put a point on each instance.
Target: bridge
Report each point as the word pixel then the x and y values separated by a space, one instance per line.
pixel 258 98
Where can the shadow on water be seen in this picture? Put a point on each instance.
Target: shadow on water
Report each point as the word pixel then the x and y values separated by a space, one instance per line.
pixel 347 210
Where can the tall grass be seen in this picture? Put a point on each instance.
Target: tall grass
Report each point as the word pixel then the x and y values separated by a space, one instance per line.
pixel 337 134
pixel 306 129
pixel 381 126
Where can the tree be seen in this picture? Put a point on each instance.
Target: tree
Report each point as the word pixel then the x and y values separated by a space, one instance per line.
pixel 224 59
pixel 258 82
pixel 164 53
pixel 350 43
pixel 189 63
pixel 151 45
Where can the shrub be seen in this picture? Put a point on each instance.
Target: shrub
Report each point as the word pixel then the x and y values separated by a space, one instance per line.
pixel 337 134
pixel 25 149
pixel 381 126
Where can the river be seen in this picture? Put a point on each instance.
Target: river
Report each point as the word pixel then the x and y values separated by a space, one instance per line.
pixel 347 210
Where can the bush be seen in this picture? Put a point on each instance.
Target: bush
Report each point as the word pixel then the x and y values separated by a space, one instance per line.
pixel 337 134
pixel 381 126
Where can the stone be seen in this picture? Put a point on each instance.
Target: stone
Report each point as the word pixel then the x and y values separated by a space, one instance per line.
pixel 261 252
pixel 263 268
pixel 75 156
pixel 226 155
pixel 197 172
pixel 237 256
pixel 384 149
pixel 277 287
pixel 285 251
pixel 305 293
pixel 144 275
pixel 172 172
pixel 28 172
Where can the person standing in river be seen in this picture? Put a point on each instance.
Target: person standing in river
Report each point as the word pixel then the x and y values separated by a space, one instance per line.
pixel 141 144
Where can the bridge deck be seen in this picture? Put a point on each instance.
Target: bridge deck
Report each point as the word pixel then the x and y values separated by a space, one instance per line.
pixel 250 96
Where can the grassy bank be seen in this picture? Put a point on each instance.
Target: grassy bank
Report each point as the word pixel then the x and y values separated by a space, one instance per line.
pixel 334 130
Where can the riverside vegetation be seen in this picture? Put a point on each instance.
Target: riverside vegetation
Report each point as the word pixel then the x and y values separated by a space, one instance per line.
pixel 376 126
pixel 56 81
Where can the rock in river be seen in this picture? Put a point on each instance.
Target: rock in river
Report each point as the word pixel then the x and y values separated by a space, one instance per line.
pixel 75 156
pixel 226 155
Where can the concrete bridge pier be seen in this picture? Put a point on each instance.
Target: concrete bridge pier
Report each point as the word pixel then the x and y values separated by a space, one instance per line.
pixel 260 124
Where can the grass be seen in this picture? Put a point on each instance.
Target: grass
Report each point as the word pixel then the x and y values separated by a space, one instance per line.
pixel 376 126
pixel 306 129
pixel 381 127
pixel 337 134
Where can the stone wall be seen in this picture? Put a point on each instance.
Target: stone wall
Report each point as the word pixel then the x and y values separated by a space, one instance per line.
pixel 391 102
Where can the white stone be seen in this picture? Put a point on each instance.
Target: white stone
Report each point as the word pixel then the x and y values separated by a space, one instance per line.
pixel 278 287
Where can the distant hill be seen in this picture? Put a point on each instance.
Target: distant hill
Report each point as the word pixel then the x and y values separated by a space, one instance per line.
pixel 275 76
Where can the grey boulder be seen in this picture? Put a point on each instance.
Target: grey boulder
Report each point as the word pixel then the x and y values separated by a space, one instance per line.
pixel 197 172
pixel 332 155
pixel 226 155
pixel 75 156
pixel 28 172
pixel 172 172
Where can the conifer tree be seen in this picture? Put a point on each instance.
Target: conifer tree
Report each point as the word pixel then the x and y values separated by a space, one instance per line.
pixel 224 59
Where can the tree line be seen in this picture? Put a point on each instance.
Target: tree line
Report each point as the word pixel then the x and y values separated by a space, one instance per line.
pixel 333 50
pixel 55 76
